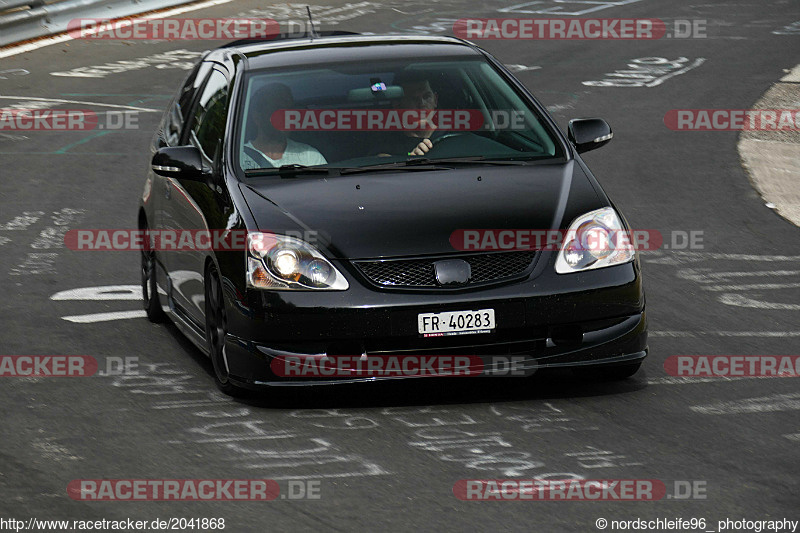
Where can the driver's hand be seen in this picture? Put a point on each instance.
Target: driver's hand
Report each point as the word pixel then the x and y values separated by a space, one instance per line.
pixel 422 148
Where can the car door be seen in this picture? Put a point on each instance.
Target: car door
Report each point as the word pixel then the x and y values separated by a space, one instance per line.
pixel 171 133
pixel 193 206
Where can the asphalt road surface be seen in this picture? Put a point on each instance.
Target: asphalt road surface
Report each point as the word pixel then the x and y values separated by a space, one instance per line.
pixel 388 457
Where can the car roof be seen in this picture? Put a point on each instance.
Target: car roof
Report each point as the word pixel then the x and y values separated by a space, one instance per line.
pixel 341 48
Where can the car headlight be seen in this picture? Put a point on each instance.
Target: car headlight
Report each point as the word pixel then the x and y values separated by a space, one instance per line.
pixel 278 262
pixel 594 240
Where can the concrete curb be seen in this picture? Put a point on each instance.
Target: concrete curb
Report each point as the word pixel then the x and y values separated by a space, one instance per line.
pixel 772 159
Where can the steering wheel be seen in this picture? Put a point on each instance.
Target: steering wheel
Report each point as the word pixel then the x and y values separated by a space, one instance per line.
pixel 447 136
pixel 437 142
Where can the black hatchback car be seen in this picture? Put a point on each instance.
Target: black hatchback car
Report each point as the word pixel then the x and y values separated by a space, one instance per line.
pixel 369 196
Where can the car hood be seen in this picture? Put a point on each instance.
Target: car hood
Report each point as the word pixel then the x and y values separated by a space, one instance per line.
pixel 415 213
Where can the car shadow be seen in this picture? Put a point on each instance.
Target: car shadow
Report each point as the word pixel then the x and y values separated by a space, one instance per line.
pixel 545 385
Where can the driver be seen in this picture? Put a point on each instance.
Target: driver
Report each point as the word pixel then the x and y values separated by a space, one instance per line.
pixel 417 94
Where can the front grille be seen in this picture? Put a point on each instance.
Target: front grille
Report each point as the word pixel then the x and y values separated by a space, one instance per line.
pixel 419 273
pixel 491 267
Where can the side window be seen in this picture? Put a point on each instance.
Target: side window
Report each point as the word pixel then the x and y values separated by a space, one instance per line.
pixel 173 125
pixel 181 105
pixel 208 121
pixel 190 87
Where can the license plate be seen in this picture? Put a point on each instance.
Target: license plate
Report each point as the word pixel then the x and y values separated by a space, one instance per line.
pixel 455 323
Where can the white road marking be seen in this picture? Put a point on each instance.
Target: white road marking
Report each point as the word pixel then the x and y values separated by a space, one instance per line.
pixel 764 404
pixel 51 449
pixel 521 68
pixel 178 59
pixel 739 300
pixel 81 102
pixel 679 380
pixel 371 469
pixel 697 62
pixel 646 72
pixel 63 37
pixel 10 137
pixel 753 287
pixel 597 458
pixel 222 440
pixel 23 221
pixel 105 317
pixel 283 453
pixel 708 276
pixel 724 333
pixel 50 237
pixel 109 292
pixel 791 29
pixel 36 263
pixel 545 419
pixel 295 14
pixel 556 10
pixel 13 72
pixel 188 403
pixel 415 13
pixel 705 277
pixel 687 257
pixel 749 257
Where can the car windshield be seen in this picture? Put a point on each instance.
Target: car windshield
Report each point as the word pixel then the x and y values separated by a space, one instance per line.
pixel 391 114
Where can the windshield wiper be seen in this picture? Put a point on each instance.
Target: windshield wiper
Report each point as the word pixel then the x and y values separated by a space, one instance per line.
pixel 409 165
pixel 286 171
pixel 425 163
pixel 478 159
pixel 399 166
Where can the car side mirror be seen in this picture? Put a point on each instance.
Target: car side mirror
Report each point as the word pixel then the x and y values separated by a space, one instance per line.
pixel 589 133
pixel 180 162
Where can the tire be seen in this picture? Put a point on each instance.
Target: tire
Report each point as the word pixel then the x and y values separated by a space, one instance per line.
pixel 608 373
pixel 149 287
pixel 216 330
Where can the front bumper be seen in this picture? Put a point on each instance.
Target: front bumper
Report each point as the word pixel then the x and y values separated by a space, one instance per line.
pixel 603 322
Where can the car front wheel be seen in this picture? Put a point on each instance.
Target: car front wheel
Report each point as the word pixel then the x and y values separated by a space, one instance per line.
pixel 149 286
pixel 216 330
